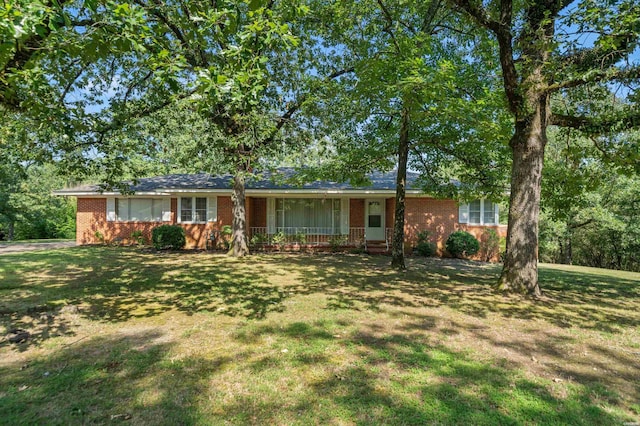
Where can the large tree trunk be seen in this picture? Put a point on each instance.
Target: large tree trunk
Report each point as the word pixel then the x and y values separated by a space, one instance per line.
pixel 397 249
pixel 239 246
pixel 520 269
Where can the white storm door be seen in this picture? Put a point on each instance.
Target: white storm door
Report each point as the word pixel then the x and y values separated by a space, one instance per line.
pixel 374 219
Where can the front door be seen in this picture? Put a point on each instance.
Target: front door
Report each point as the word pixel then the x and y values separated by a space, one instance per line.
pixel 374 219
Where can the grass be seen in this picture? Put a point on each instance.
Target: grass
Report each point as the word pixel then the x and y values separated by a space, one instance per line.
pixel 120 334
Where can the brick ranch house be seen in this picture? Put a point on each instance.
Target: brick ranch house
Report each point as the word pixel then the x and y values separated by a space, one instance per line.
pixel 317 214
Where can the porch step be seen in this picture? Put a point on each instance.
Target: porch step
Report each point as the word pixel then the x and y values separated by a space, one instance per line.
pixel 377 247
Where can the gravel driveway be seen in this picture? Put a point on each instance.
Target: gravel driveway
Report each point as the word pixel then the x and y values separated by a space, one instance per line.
pixel 26 246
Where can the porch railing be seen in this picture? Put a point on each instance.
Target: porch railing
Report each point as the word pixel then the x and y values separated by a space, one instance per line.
pixel 306 236
pixel 313 236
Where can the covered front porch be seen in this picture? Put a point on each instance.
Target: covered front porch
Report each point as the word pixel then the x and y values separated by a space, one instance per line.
pixel 300 237
pixel 293 223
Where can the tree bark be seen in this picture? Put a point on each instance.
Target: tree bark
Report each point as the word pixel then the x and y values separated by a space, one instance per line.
pixel 529 100
pixel 520 269
pixel 239 245
pixel 397 248
pixel 567 249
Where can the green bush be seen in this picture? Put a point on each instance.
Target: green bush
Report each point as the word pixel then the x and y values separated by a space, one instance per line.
pixel 462 244
pixel 226 234
pixel 259 239
pixel 168 237
pixel 300 238
pixel 424 247
pixel 138 237
pixel 489 245
pixel 279 239
pixel 337 242
pixel 99 236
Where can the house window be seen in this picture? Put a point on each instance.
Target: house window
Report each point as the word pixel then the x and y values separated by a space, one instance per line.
pixel 193 209
pixel 481 212
pixel 314 215
pixel 475 211
pixel 139 209
pixel 489 213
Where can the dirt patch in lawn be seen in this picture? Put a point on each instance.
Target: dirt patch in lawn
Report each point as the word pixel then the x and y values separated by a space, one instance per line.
pixel 22 247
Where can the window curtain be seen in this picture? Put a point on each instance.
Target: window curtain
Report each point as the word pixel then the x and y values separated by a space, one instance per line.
pixel 322 214
pixel 139 209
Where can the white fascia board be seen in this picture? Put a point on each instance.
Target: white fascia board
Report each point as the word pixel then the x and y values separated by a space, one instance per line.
pixel 337 192
pixel 198 191
pixel 146 194
pixel 296 192
pixel 248 192
pixel 92 194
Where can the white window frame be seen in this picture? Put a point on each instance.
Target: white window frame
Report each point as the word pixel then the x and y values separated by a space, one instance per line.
pixel 117 203
pixel 480 212
pixel 210 210
pixel 465 216
pixel 496 218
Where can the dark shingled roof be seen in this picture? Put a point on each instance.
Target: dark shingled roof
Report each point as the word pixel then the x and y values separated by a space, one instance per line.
pixel 265 180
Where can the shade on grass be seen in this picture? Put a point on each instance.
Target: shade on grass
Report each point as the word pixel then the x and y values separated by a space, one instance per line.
pixel 188 338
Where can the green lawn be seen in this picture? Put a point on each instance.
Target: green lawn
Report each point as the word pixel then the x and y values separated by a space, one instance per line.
pixel 123 334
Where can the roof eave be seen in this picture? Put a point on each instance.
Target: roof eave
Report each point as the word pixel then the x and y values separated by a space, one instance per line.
pixel 249 192
pixel 107 193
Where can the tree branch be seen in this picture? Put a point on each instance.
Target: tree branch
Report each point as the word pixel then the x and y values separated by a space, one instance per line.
pixel 581 224
pixel 427 23
pixel 135 84
pixel 70 83
pixel 24 52
pixel 387 28
pixel 284 118
pixel 174 29
pixel 599 57
pixel 594 126
pixel 596 77
pixel 502 30
pixel 479 14
pixel 119 121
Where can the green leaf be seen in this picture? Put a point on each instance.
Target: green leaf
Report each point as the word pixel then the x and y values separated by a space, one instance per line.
pixel 255 5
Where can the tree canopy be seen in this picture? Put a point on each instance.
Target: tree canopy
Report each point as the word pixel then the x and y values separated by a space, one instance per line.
pixel 553 49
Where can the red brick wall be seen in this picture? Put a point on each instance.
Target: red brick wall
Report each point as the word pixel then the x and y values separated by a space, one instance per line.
pixel 248 210
pixel 258 213
pixel 478 232
pixel 389 212
pixel 92 217
pixel 356 213
pixel 198 233
pixel 440 217
pixel 225 213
